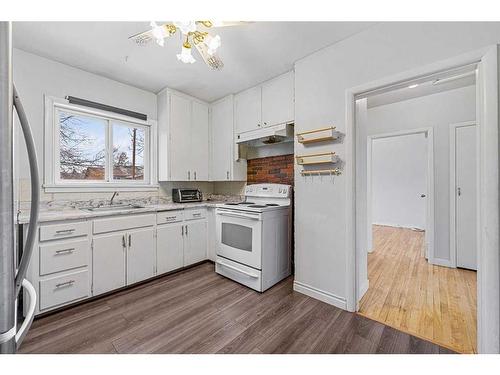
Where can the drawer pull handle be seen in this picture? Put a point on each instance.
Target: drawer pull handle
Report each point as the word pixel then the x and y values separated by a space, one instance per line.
pixel 170 218
pixel 197 214
pixel 67 283
pixel 65 231
pixel 65 251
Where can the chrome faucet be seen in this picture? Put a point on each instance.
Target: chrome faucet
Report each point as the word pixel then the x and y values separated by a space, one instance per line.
pixel 113 197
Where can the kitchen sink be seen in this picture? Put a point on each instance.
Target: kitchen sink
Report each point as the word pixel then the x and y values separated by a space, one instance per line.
pixel 111 208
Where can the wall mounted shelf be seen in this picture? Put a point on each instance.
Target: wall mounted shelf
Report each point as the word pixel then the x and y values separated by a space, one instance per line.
pixel 318 135
pixel 319 158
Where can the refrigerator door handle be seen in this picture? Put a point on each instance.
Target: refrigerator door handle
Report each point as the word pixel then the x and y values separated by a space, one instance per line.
pixel 29 316
pixel 35 193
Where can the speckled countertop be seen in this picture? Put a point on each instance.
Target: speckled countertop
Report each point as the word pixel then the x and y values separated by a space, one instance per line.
pixel 73 210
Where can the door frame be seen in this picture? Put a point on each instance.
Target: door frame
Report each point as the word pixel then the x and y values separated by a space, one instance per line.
pixel 429 209
pixel 487 119
pixel 453 203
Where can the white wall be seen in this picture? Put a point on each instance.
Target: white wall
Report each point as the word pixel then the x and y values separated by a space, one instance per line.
pixel 437 111
pixel 399 177
pixel 35 76
pixel 321 81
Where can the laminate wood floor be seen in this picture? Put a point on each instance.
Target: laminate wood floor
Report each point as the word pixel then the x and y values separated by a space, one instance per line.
pixel 406 292
pixel 198 311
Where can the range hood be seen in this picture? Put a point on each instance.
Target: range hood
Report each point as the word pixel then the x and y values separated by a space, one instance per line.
pixel 266 136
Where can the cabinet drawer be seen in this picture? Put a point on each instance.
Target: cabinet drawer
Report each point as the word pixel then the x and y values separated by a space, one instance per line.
pixel 193 214
pixel 63 256
pixel 65 230
pixel 169 217
pixel 64 289
pixel 112 224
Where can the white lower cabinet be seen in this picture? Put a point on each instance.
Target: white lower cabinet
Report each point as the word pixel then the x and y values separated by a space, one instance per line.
pixel 109 262
pixel 195 242
pixel 141 255
pixel 170 247
pixel 182 244
pixel 101 255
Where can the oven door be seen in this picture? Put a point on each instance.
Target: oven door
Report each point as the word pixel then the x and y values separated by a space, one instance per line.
pixel 239 236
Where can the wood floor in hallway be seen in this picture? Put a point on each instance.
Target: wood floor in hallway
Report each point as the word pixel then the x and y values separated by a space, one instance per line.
pixel 406 292
pixel 199 311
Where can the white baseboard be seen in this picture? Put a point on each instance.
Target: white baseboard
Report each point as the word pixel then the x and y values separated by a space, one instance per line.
pixel 441 262
pixel 392 225
pixel 363 289
pixel 321 295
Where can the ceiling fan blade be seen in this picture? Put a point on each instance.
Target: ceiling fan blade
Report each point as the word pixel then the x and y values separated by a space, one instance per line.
pixel 213 61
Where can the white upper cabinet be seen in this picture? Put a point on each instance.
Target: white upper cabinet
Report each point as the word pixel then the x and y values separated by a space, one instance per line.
pixel 180 137
pixel 247 110
pixel 270 103
pixel 278 100
pixel 183 144
pixel 199 142
pixel 223 166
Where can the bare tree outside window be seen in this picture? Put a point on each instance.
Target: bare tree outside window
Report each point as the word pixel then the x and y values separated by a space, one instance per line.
pixel 128 152
pixel 82 147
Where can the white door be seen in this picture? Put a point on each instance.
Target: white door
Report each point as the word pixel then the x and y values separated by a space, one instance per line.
pixel 141 255
pixel 180 138
pixel 108 262
pixel 465 196
pixel 278 100
pixel 247 110
pixel 170 247
pixel 195 242
pixel 199 142
pixel 222 139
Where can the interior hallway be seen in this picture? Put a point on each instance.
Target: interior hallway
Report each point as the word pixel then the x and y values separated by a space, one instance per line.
pixel 407 293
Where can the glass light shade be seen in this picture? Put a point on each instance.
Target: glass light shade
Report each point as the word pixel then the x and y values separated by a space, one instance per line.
pixel 158 33
pixel 212 42
pixel 186 26
pixel 185 56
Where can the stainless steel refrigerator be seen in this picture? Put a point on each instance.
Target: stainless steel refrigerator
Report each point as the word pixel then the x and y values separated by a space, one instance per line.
pixel 14 259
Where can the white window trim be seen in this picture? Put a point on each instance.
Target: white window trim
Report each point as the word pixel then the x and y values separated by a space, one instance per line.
pixel 52 183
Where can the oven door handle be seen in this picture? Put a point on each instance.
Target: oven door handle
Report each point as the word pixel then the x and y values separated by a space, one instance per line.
pixel 237 269
pixel 233 214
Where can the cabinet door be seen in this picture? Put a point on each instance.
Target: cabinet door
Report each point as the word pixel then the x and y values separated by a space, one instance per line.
pixel 278 100
pixel 195 245
pixel 169 247
pixel 222 140
pixel 247 110
pixel 199 142
pixel 180 137
pixel 108 262
pixel 141 255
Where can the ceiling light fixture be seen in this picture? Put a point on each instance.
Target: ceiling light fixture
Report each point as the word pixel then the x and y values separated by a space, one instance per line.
pixel 185 56
pixel 413 86
pixel 195 33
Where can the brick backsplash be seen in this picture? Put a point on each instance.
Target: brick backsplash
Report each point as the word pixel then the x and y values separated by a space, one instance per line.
pixel 272 169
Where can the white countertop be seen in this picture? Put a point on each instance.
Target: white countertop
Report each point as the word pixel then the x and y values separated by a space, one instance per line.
pixel 72 213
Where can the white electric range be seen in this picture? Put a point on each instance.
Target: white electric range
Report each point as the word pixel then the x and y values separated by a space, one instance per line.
pixel 254 236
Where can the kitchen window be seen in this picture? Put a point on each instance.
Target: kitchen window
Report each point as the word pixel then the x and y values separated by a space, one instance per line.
pixel 91 150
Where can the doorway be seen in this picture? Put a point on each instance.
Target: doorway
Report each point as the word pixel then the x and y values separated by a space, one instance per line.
pixel 413 283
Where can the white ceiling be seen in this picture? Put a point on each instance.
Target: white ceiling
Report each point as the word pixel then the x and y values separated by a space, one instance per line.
pixel 252 53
